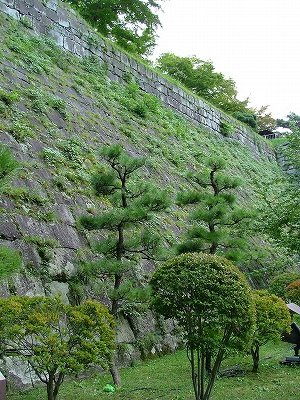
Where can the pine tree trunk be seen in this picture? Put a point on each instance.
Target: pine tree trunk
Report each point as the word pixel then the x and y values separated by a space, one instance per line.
pixel 255 357
pixel 114 371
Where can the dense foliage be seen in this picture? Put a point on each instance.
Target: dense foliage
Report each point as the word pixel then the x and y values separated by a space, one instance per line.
pixel 272 318
pixel 200 76
pixel 211 301
pixel 293 292
pixel 131 24
pixel 292 119
pixel 279 283
pixel 264 119
pixel 55 339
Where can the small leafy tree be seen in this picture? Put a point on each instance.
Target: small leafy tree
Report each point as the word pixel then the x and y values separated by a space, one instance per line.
pixel 265 119
pixel 272 318
pixel 55 339
pixel 201 77
pixel 293 292
pixel 279 283
pixel 134 202
pixel 292 120
pixel 211 300
pixel 217 222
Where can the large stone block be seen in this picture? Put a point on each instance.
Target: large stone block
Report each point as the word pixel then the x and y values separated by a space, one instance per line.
pixel 23 7
pixel 59 289
pixel 62 264
pixel 124 332
pixel 28 286
pixel 69 44
pixel 9 3
pixel 18 373
pixel 66 236
pixel 9 11
pixel 63 18
pixel 8 229
pixel 2 387
pixel 79 50
pixel 52 4
pixel 52 15
pixel 57 36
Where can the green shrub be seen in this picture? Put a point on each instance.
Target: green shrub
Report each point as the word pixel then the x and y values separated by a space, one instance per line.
pixel 55 339
pixel 293 291
pixel 53 156
pixel 211 301
pixel 272 318
pixel 21 130
pixel 8 98
pixel 226 129
pixel 72 149
pixel 246 117
pixel 7 163
pixel 279 284
pixel 41 101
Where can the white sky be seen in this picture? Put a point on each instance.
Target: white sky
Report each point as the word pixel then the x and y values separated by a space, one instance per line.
pixel 255 42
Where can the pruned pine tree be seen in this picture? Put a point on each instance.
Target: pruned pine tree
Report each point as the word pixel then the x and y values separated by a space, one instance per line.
pixel 216 217
pixel 130 239
pixel 216 222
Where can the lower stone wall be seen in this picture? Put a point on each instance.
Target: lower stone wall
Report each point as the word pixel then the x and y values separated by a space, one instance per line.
pixel 73 34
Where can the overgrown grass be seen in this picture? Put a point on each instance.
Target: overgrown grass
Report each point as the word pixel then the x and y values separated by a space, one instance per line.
pixel 168 378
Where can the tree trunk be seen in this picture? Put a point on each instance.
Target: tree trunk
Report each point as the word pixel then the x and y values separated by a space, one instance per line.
pixel 115 303
pixel 50 388
pixel 255 357
pixel 208 362
pixel 114 371
pixel 57 384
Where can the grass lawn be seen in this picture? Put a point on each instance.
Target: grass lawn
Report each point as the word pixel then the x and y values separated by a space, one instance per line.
pixel 168 378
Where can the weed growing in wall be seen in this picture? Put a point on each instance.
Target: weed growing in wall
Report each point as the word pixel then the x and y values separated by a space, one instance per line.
pixel 41 101
pixel 10 262
pixel 226 128
pixel 21 129
pixel 8 98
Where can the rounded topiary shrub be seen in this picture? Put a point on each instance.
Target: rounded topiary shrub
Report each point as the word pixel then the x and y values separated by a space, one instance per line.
pixel 211 301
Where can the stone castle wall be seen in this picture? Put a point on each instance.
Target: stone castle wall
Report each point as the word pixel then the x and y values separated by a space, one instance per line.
pixel 73 34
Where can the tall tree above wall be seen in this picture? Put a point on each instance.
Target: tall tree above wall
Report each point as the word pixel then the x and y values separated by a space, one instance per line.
pixel 131 24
